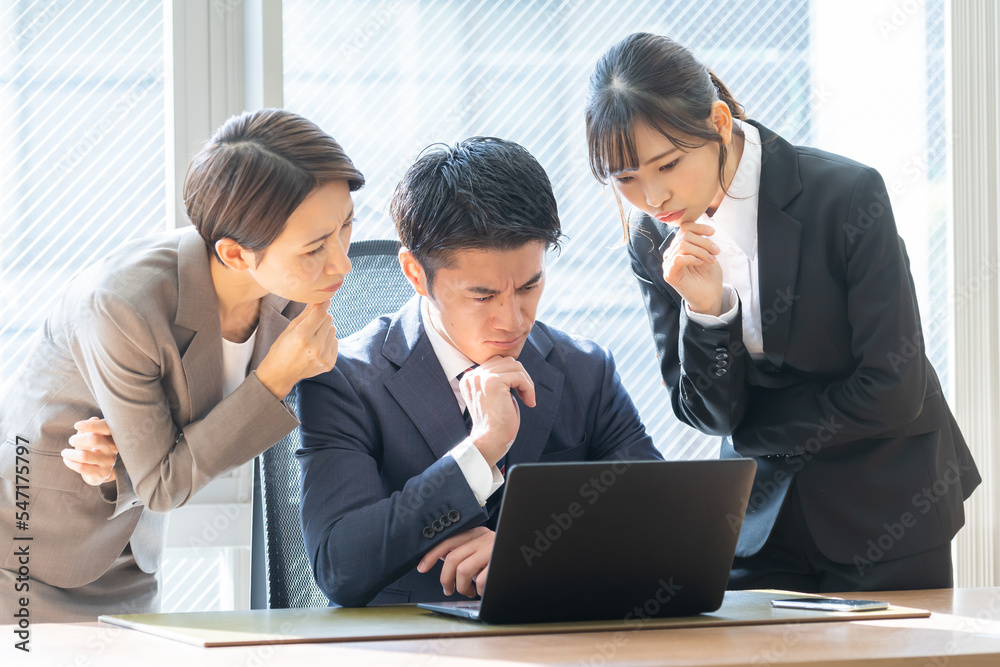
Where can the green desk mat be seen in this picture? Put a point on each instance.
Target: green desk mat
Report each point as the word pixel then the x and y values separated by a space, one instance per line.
pixel 340 624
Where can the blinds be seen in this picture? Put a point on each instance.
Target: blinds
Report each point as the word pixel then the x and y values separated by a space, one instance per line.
pixel 81 113
pixel 388 78
pixel 81 147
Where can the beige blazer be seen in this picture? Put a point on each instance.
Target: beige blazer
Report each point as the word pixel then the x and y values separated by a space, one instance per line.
pixel 135 339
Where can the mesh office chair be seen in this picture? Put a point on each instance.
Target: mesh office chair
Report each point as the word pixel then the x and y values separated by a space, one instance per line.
pixel 376 286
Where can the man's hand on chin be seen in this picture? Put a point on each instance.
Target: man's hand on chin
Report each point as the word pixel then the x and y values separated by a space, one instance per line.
pixel 495 415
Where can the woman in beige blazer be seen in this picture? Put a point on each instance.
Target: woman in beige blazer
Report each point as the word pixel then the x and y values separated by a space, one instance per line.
pixel 184 345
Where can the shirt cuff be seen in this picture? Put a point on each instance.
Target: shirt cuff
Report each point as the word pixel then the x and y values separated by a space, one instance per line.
pixel 730 306
pixel 124 496
pixel 483 478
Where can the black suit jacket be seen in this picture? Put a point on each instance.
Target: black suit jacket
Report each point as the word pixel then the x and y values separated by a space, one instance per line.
pixel 845 402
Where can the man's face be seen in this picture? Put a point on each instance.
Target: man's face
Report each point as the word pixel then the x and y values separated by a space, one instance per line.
pixel 485 303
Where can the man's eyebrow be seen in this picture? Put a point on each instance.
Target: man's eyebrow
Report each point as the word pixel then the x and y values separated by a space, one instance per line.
pixel 534 279
pixel 329 234
pixel 489 291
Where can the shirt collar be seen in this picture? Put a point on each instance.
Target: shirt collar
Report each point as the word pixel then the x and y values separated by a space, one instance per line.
pixel 736 216
pixel 451 359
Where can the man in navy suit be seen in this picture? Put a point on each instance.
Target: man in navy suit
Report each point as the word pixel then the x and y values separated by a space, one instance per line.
pixel 406 441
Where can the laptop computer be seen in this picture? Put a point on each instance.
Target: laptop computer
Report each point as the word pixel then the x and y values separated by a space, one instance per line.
pixel 605 540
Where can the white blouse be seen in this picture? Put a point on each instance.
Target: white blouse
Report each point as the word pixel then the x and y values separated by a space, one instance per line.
pixel 735 223
pixel 236 363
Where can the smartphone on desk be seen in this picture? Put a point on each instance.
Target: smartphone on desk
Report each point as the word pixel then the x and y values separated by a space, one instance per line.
pixel 830 604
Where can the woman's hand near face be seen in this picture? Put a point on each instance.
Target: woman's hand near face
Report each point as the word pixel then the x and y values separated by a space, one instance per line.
pixel 307 347
pixel 94 453
pixel 691 267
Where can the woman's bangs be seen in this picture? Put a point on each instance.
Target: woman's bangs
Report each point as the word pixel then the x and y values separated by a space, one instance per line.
pixel 612 150
pixel 613 145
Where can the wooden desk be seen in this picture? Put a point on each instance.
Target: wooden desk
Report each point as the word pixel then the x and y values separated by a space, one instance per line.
pixel 963 630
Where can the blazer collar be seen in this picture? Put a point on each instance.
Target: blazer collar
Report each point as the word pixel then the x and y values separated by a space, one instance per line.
pixel 198 311
pixel 197 305
pixel 424 394
pixel 405 331
pixel 537 422
pixel 778 242
pixel 419 386
pixel 271 322
pixel 779 179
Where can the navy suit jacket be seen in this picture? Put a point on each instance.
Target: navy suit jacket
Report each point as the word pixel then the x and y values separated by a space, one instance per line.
pixel 844 401
pixel 375 431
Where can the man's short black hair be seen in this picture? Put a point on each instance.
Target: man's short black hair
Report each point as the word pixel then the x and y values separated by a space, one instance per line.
pixel 481 194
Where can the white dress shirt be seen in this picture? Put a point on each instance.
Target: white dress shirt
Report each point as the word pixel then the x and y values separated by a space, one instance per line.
pixel 236 362
pixel 483 478
pixel 735 223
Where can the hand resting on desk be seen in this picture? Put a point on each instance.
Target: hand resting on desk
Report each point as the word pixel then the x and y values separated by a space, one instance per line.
pixel 466 559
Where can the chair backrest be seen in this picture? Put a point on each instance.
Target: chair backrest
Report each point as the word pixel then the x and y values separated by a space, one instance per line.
pixel 374 287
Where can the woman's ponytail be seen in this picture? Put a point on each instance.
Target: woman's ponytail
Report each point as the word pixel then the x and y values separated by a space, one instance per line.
pixel 734 107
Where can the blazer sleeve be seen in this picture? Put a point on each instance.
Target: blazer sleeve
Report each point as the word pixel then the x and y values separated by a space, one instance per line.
pixel 359 537
pixel 886 389
pixel 618 430
pixel 704 379
pixel 167 463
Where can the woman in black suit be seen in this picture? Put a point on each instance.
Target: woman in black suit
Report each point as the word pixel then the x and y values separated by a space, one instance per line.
pixel 785 320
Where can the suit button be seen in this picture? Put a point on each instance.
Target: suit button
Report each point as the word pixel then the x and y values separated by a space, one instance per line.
pixel 437 526
pixel 429 532
pixel 445 521
pixel 719 372
pixel 721 363
pixel 454 515
pixel 722 356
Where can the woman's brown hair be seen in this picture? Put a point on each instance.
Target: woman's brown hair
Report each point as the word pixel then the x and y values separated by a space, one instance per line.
pixel 653 80
pixel 255 171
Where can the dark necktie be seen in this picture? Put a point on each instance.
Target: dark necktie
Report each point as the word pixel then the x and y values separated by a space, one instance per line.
pixel 466 417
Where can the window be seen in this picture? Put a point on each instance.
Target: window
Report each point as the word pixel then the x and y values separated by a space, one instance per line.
pixel 82 152
pixel 386 79
pixel 82 160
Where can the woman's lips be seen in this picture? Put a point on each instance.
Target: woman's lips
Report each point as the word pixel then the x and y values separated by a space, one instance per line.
pixel 332 288
pixel 670 216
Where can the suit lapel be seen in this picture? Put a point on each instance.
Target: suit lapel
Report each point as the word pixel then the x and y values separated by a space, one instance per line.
pixel 270 323
pixel 536 422
pixel 667 234
pixel 419 386
pixel 778 242
pixel 202 363
pixel 420 389
pixel 198 311
pixel 778 237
